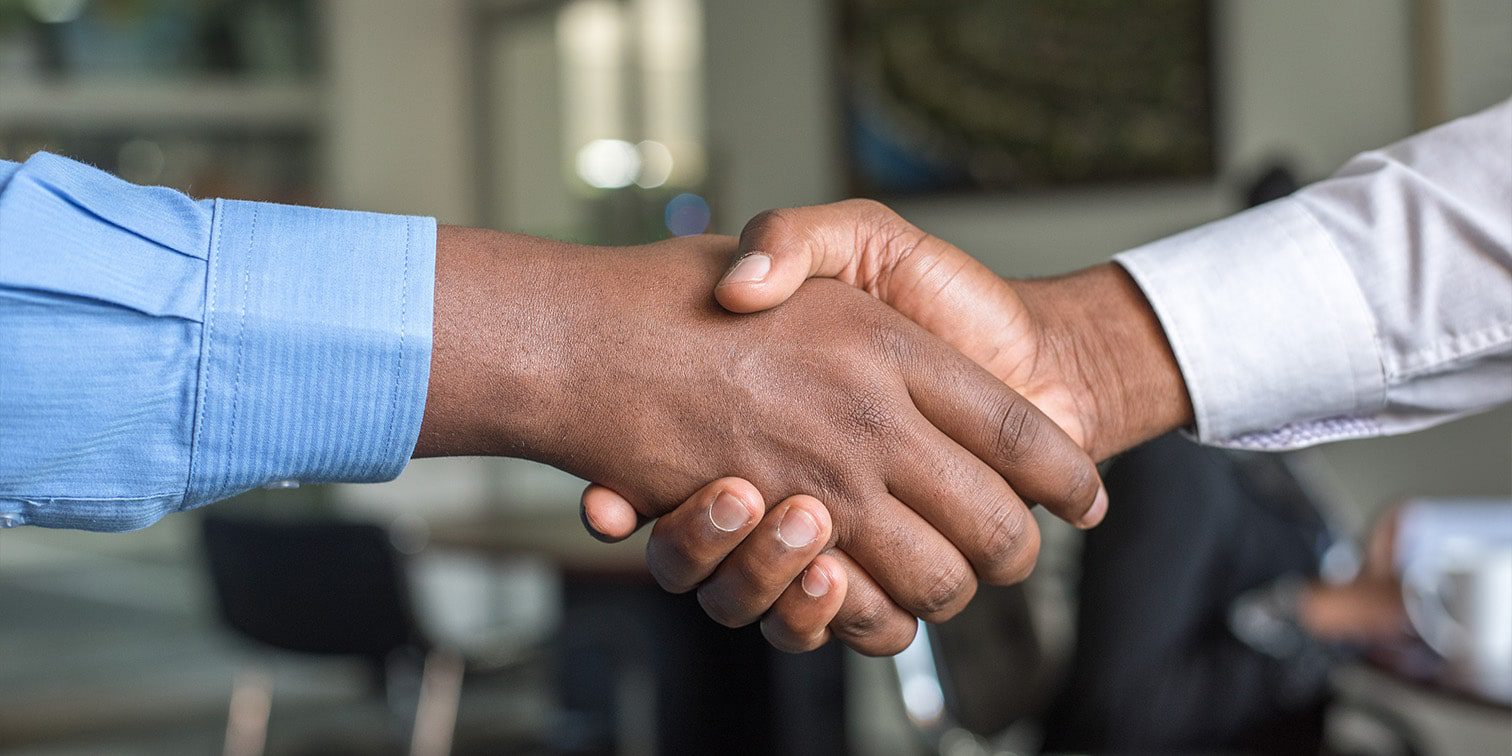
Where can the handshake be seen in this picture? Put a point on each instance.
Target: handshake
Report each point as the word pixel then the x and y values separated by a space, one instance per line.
pixel 832 458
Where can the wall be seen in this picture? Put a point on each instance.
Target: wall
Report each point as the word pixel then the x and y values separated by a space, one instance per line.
pixel 1315 82
pixel 399 107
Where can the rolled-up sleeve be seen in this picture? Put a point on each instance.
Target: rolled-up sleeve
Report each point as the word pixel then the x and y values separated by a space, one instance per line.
pixel 159 353
pixel 1378 301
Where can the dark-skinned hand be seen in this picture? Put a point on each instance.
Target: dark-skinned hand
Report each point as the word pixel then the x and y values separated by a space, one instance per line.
pixel 616 365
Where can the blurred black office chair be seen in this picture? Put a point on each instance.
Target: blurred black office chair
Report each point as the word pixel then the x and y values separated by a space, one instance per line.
pixel 330 588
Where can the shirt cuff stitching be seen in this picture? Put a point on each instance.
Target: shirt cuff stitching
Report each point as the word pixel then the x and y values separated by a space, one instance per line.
pixel 36 500
pixel 207 332
pixel 241 330
pixel 1436 357
pixel 388 447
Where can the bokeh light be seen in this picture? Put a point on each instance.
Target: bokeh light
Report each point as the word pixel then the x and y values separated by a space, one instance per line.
pixel 56 11
pixel 687 214
pixel 141 161
pixel 655 164
pixel 608 163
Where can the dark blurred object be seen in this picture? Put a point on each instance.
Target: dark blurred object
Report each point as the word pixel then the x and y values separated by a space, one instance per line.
pixel 995 671
pixel 320 587
pixel 1006 94
pixel 645 671
pixel 1155 667
pixel 1273 183
pixel 332 588
pixel 988 667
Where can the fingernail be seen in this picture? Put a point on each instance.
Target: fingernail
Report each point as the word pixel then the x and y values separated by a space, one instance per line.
pixel 1097 512
pixel 749 269
pixel 728 514
pixel 797 529
pixel 815 582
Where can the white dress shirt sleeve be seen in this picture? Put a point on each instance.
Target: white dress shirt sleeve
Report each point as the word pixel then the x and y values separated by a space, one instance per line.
pixel 1378 301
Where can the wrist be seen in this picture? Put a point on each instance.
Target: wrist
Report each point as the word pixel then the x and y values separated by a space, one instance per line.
pixel 493 385
pixel 1107 345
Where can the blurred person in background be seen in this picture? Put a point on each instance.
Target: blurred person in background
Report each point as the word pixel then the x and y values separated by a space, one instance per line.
pixel 1205 621
pixel 1217 600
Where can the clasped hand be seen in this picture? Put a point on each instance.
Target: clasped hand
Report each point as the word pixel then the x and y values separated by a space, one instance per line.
pixel 867 587
pixel 902 468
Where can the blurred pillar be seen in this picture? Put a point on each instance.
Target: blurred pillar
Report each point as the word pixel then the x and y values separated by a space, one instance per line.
pixel 774 127
pixel 398 107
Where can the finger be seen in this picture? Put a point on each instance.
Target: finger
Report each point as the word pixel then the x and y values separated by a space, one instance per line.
pixel 767 562
pixel 688 543
pixel 799 620
pixel 1006 431
pixel 922 571
pixel 608 516
pixel 868 621
pixel 969 503
pixel 780 249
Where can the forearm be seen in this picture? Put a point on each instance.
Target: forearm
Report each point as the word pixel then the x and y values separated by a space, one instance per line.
pixel 1110 347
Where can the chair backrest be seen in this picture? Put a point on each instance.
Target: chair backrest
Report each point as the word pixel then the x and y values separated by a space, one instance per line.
pixel 320 587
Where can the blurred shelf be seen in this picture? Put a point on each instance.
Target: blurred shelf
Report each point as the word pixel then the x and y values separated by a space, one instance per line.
pixel 157 103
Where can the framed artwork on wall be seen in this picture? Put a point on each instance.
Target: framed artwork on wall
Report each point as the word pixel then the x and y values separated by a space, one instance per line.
pixel 949 96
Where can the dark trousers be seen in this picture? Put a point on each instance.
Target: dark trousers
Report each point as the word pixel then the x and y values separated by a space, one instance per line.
pixel 1156 669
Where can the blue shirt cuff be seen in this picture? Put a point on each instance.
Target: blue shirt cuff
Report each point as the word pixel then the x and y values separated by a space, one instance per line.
pixel 315 356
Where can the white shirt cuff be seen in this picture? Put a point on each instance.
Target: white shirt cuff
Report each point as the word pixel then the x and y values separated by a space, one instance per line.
pixel 1269 327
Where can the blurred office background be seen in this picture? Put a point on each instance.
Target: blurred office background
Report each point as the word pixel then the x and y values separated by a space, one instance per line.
pixel 619 121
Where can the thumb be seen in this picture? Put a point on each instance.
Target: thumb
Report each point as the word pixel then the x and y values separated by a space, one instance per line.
pixel 608 516
pixel 780 249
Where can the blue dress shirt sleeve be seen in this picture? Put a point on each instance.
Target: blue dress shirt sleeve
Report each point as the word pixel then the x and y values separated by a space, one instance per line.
pixel 159 353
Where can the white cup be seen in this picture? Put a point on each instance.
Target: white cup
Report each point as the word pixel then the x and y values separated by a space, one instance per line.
pixel 1460 601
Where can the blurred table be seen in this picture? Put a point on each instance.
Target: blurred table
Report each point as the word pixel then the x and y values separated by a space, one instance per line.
pixel 630 653
pixel 1424 715
pixel 1418 667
